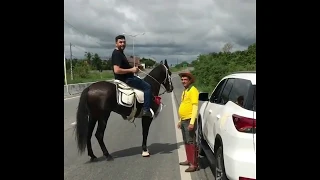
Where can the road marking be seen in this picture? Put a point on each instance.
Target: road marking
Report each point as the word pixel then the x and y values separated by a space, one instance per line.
pixel 71 98
pixel 181 149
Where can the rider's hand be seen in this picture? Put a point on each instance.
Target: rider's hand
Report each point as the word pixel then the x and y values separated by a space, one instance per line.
pixel 135 69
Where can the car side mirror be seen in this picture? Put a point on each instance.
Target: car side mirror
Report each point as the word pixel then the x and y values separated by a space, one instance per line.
pixel 203 96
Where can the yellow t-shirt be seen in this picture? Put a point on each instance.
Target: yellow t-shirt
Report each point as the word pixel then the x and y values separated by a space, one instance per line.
pixel 189 97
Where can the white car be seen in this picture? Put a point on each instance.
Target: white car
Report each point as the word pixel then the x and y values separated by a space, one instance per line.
pixel 226 132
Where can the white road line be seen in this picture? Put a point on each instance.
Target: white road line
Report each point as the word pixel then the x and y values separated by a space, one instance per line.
pixel 71 98
pixel 181 149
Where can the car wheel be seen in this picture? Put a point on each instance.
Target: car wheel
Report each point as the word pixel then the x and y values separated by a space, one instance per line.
pixel 220 172
pixel 199 140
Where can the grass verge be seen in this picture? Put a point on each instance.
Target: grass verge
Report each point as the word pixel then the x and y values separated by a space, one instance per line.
pixel 93 76
pixel 174 69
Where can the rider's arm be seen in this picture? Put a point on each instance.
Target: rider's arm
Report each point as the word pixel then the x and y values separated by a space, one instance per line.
pixel 116 60
pixel 195 101
pixel 119 70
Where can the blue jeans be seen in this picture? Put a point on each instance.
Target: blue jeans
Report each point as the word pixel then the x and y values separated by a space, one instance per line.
pixel 140 84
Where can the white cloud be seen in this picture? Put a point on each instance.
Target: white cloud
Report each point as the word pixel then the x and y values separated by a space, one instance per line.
pixel 174 29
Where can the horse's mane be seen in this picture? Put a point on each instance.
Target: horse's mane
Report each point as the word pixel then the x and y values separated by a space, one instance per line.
pixel 155 71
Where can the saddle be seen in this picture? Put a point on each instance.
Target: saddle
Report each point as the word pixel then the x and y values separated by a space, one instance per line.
pixel 126 95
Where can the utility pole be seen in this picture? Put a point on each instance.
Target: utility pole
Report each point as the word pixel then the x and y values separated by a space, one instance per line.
pixel 133 36
pixel 65 74
pixel 71 62
pixel 134 60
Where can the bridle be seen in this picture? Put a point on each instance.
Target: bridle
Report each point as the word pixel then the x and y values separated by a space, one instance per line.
pixel 167 77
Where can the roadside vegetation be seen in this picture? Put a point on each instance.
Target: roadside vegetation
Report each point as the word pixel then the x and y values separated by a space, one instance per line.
pixel 92 68
pixel 176 69
pixel 210 68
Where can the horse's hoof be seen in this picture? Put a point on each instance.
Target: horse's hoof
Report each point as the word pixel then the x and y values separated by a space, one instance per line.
pixel 93 159
pixel 145 154
pixel 109 158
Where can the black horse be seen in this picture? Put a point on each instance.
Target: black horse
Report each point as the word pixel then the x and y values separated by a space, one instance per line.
pixel 100 99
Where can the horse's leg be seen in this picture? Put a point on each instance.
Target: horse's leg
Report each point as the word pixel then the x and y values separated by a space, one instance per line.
pixel 102 124
pixel 92 123
pixel 146 122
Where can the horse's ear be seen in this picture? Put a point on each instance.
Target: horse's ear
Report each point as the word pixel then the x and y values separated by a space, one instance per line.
pixel 161 62
pixel 166 63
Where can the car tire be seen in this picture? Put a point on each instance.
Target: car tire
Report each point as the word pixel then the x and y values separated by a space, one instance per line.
pixel 200 139
pixel 220 173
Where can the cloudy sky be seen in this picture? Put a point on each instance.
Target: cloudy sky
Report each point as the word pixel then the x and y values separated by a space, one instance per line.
pixel 175 30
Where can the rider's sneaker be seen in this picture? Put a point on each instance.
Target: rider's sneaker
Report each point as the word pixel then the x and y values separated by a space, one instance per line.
pixel 146 113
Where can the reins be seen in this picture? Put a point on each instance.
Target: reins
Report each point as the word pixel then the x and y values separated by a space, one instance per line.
pixel 161 84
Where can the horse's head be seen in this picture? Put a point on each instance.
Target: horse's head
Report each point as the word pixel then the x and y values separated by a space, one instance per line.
pixel 167 82
pixel 161 75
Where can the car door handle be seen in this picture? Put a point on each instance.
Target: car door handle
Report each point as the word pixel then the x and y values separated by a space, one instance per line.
pixel 218 116
pixel 210 111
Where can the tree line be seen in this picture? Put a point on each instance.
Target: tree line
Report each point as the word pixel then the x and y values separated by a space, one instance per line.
pixel 210 68
pixel 95 62
pixel 92 61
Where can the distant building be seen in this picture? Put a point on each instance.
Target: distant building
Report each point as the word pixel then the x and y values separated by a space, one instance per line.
pixel 130 59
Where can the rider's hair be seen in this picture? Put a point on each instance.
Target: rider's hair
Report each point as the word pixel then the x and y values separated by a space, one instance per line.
pixel 120 37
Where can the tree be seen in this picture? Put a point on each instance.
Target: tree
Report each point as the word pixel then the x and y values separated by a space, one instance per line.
pixel 81 70
pixel 148 62
pixel 210 68
pixel 227 47
pixel 88 56
pixel 96 62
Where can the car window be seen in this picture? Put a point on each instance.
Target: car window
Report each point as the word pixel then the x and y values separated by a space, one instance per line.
pixel 226 91
pixel 254 99
pixel 216 92
pixel 239 92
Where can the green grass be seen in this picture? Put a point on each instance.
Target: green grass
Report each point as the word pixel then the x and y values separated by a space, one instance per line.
pixel 174 69
pixel 93 76
pixel 203 88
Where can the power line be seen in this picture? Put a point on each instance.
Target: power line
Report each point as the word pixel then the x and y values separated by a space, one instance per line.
pixel 76 28
pixel 81 32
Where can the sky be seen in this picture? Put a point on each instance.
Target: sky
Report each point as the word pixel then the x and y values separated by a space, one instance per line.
pixel 176 30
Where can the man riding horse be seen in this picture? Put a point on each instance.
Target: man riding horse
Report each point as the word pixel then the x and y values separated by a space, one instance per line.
pixel 125 73
pixel 99 99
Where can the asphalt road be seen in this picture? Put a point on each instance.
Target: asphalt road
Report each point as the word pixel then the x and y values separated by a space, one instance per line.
pixel 123 141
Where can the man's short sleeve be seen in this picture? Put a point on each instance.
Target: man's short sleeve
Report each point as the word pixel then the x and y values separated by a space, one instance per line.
pixel 116 58
pixel 194 95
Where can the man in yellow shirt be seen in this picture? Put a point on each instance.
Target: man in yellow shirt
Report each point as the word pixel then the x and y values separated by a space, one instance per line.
pixel 188 111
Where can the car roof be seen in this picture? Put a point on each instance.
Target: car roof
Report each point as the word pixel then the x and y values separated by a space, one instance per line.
pixel 248 75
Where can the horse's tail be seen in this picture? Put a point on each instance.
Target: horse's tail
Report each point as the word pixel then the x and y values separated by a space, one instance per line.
pixel 82 121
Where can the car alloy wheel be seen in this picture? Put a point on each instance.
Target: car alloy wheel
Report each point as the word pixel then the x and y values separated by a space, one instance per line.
pixel 220 172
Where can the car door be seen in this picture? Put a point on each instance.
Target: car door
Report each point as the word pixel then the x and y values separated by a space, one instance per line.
pixel 243 88
pixel 217 107
pixel 206 118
